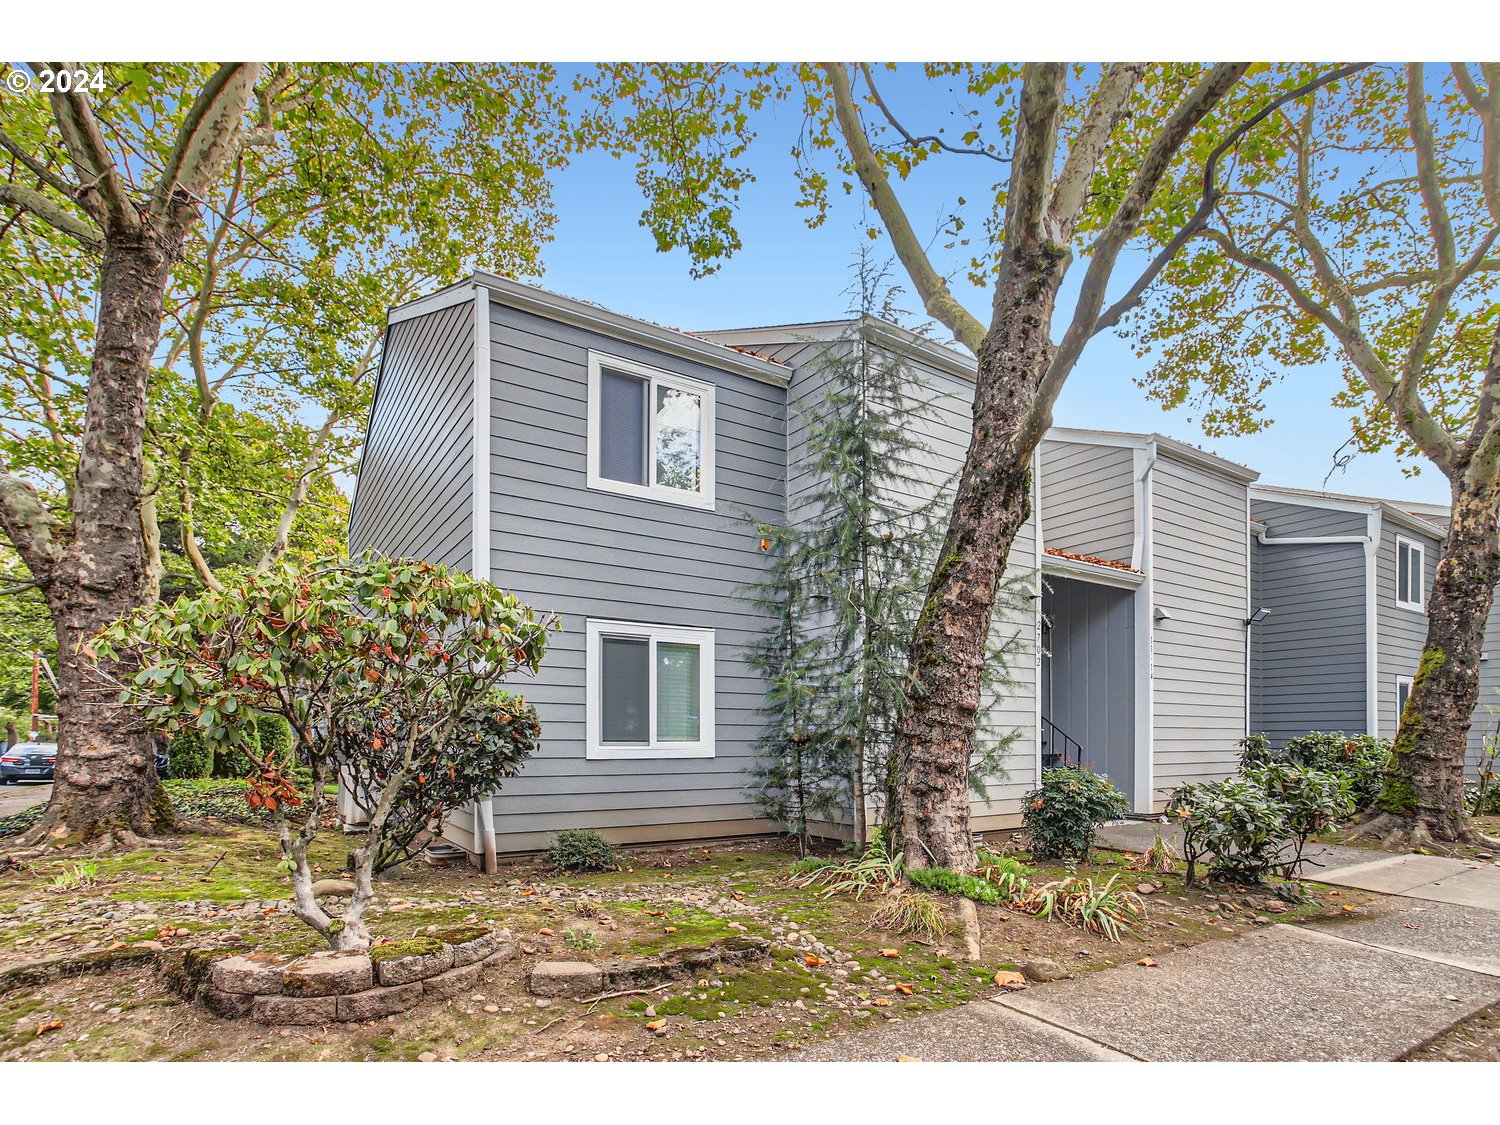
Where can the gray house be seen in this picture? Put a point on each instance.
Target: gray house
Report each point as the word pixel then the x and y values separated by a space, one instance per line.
pixel 1145 674
pixel 1345 580
pixel 612 471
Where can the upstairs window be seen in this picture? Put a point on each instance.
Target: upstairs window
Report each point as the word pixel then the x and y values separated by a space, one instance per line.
pixel 1403 693
pixel 1411 570
pixel 651 433
pixel 650 691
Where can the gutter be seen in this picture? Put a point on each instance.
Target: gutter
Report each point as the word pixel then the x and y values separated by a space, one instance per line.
pixel 1145 632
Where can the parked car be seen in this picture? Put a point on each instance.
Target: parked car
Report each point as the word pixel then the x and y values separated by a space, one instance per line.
pixel 28 761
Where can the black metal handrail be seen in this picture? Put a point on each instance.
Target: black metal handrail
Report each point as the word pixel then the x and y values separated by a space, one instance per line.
pixel 1071 753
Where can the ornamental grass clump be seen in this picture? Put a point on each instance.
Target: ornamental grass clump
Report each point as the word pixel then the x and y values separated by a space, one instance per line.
pixel 388 672
pixel 1105 909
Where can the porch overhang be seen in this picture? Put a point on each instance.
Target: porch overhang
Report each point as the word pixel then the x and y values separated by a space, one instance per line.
pixel 1067 566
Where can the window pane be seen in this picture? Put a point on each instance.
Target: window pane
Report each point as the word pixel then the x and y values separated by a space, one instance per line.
pixel 622 427
pixel 1416 565
pixel 626 689
pixel 679 432
pixel 676 692
pixel 1403 573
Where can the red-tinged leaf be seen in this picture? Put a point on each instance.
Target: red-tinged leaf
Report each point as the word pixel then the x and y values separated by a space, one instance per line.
pixel 43 1028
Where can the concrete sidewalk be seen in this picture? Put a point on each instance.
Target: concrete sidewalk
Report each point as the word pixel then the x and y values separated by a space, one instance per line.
pixel 16 798
pixel 1432 878
pixel 1283 993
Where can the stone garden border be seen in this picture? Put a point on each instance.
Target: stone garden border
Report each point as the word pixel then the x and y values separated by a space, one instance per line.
pixel 579 979
pixel 334 987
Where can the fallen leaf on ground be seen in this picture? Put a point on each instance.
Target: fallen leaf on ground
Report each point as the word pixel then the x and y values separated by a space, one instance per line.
pixel 881 1002
pixel 1006 977
pixel 1148 962
pixel 1347 906
pixel 812 960
pixel 670 930
pixel 656 1025
pixel 909 1058
pixel 904 989
pixel 545 933
pixel 43 1028
pixel 890 953
pixel 527 891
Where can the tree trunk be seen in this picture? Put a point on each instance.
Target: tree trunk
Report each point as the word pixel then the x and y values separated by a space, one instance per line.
pixel 1423 802
pixel 106 781
pixel 935 739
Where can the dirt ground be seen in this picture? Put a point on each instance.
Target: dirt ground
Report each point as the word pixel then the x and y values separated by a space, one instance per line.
pixel 224 890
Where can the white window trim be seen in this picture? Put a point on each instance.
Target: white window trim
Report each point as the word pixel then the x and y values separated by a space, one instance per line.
pixel 704 497
pixel 1402 682
pixel 1420 606
pixel 594 632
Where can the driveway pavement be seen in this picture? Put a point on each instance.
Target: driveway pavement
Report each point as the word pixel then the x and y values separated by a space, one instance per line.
pixel 14 798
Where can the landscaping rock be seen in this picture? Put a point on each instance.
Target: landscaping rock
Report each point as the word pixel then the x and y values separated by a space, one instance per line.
pixel 294 1009
pixel 453 981
pixel 379 1002
pixel 432 958
pixel 253 975
pixel 1042 970
pixel 325 888
pixel 338 974
pixel 472 943
pixel 229 1005
pixel 565 978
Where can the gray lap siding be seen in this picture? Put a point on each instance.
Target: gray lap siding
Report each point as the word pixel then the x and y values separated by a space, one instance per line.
pixel 414 493
pixel 586 553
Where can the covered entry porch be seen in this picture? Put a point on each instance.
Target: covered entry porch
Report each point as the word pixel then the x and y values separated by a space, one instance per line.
pixel 1092 672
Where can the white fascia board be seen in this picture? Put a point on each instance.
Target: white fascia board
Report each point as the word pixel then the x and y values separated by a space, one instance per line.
pixel 1091 572
pixel 1372 624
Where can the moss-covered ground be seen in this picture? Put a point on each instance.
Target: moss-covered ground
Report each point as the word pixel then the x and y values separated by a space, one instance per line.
pixel 832 972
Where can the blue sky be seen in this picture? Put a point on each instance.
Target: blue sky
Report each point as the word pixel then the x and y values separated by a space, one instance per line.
pixel 786 272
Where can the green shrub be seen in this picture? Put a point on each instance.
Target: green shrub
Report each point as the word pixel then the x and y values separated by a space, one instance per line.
pixel 237 760
pixel 189 756
pixel 1361 758
pixel 1063 815
pixel 582 849
pixel 956 883
pixel 810 863
pixel 1236 822
pixel 276 735
pixel 1312 800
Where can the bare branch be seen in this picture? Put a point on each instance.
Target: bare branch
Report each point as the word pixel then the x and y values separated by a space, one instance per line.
pixel 1211 195
pixel 206 138
pixel 931 287
pixel 1198 103
pixel 190 540
pixel 95 165
pixel 38 169
pixel 311 464
pixel 1106 108
pixel 59 218
pixel 918 142
pixel 1036 147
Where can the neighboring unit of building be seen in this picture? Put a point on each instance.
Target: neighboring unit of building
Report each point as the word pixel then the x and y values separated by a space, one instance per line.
pixel 1345 579
pixel 1147 560
pixel 614 472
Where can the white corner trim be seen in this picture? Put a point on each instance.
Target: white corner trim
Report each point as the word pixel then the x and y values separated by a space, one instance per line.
pixel 594 747
pixel 1037 546
pixel 1143 799
pixel 704 498
pixel 479 473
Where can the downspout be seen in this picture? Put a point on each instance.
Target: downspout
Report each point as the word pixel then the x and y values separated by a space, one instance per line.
pixel 1145 630
pixel 479 560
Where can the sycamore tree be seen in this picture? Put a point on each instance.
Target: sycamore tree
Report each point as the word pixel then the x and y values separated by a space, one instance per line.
pixel 197 261
pixel 389 673
pixel 1364 232
pixel 1072 161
